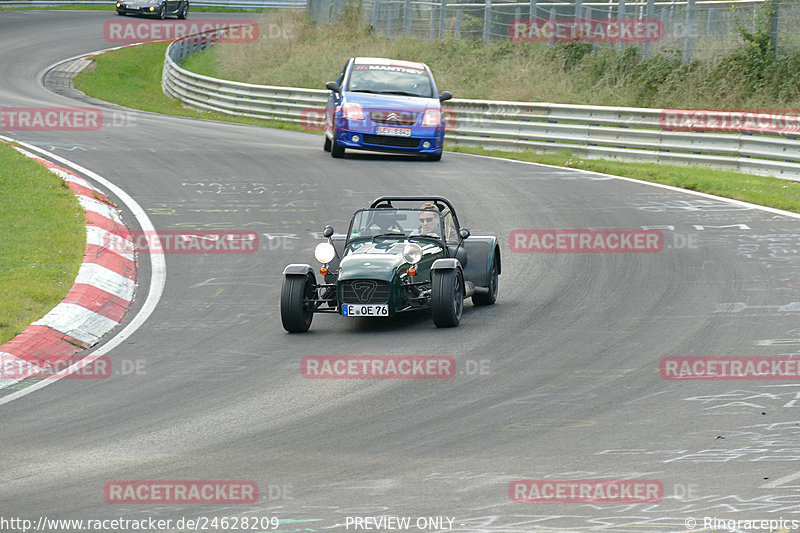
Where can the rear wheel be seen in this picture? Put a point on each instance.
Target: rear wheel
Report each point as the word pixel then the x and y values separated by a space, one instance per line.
pixel 297 301
pixel 337 150
pixel 491 297
pixel 447 297
pixel 327 146
pixel 184 11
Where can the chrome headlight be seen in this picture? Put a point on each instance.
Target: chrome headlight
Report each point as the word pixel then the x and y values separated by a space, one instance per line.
pixel 325 252
pixel 412 253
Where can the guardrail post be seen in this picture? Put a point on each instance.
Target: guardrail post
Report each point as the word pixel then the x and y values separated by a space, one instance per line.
pixel 579 9
pixel 458 22
pixel 688 42
pixel 533 9
pixel 487 20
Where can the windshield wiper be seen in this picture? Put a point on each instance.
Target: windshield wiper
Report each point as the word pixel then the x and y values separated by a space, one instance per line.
pixel 365 91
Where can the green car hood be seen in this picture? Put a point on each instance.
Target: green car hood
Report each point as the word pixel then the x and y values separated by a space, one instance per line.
pixel 370 266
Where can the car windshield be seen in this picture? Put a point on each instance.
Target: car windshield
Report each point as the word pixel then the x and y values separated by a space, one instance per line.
pixel 390 79
pixel 390 222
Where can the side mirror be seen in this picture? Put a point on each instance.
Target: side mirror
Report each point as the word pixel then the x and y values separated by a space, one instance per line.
pixel 464 233
pixel 445 95
pixel 333 86
pixel 327 232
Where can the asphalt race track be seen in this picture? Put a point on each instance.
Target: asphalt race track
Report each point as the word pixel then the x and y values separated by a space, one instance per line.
pixel 559 380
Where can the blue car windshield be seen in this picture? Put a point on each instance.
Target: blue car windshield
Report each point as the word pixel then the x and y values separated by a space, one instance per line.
pixel 388 222
pixel 387 79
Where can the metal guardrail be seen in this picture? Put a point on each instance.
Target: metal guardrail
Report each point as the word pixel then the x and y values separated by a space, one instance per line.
pixel 633 134
pixel 239 4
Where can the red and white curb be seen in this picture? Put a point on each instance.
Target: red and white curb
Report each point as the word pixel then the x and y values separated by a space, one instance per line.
pixel 102 292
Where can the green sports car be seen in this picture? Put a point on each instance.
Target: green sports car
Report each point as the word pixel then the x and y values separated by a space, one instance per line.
pixel 393 259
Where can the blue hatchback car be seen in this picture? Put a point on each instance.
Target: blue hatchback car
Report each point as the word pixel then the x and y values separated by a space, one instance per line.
pixel 385 105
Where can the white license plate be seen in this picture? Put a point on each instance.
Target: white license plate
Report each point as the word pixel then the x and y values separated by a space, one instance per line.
pixel 396 132
pixel 365 309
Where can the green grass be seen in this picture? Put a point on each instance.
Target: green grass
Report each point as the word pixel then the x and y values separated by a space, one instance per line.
pixel 132 77
pixel 42 240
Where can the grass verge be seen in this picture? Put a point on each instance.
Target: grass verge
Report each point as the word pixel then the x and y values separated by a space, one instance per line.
pixel 42 240
pixel 132 77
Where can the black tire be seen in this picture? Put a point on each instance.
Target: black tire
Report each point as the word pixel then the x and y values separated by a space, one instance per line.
pixel 337 151
pixel 434 157
pixel 488 299
pixel 162 14
pixel 327 146
pixel 296 311
pixel 447 298
pixel 183 12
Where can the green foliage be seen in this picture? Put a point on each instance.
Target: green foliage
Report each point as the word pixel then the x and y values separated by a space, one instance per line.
pixel 569 54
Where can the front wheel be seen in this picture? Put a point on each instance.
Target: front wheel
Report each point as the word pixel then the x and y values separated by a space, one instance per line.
pixel 447 297
pixel 434 157
pixel 297 303
pixel 337 150
pixel 327 145
pixel 162 14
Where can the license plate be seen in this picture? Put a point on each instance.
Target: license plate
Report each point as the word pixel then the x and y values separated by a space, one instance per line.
pixel 365 309
pixel 395 132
